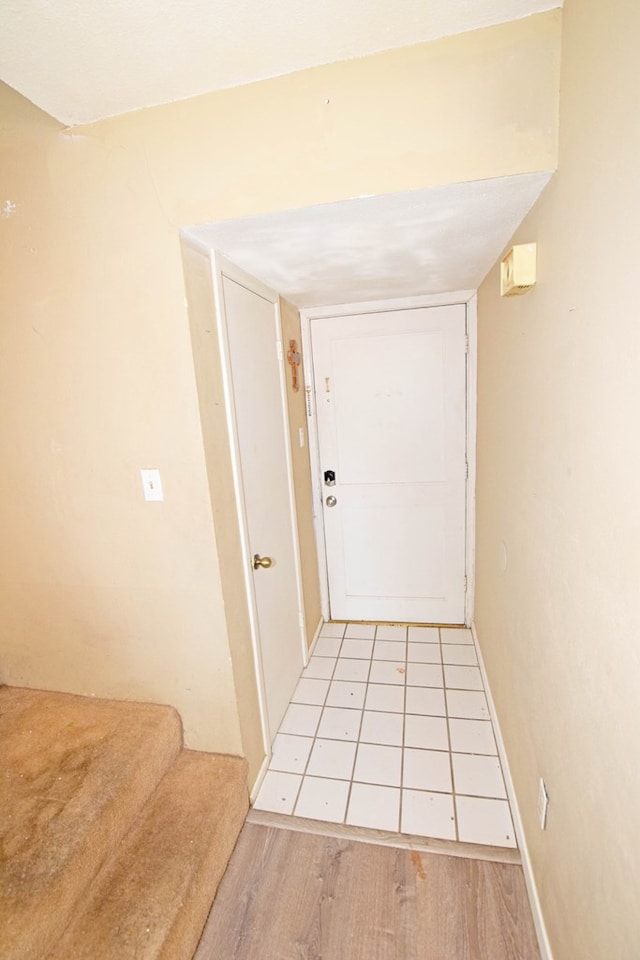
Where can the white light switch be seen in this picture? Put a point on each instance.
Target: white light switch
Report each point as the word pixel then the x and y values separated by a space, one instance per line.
pixel 151 484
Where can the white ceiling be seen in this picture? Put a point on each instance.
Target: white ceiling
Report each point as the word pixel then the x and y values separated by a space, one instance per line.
pixel 81 60
pixel 426 241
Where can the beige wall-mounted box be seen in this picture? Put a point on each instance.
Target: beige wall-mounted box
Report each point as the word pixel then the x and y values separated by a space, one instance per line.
pixel 518 270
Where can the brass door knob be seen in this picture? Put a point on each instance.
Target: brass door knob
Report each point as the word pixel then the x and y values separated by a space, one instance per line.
pixel 259 561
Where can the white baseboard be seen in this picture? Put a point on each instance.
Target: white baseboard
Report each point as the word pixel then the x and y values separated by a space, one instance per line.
pixel 255 789
pixel 529 879
pixel 316 635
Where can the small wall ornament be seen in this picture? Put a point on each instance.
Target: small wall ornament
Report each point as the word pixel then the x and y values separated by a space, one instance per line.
pixel 293 358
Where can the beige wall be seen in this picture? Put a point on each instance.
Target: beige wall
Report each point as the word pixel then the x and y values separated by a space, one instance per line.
pixel 100 592
pixel 558 468
pixel 302 474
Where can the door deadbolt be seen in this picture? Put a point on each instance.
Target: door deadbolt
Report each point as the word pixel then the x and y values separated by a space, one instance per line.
pixel 331 501
pixel 329 478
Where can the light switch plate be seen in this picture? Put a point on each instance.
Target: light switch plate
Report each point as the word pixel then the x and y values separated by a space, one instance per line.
pixel 151 484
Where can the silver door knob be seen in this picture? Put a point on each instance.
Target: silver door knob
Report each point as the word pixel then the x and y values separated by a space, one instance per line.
pixel 331 501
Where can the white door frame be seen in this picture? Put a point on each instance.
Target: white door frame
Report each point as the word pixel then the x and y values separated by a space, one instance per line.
pixel 469 299
pixel 220 267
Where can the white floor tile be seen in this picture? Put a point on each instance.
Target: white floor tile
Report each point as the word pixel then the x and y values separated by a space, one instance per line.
pixel 424 675
pixel 352 670
pixel 378 764
pixel 327 647
pixel 290 754
pixel 345 693
pixel 471 704
pixel 389 650
pixel 333 630
pixel 426 700
pixel 463 678
pixel 338 723
pixel 428 814
pixel 391 633
pixel 396 701
pixel 430 733
pixel 361 631
pixel 310 691
pixel 485 821
pixel 322 799
pixel 357 649
pixel 278 792
pixel 478 776
pixel 373 806
pixel 382 728
pixel 459 653
pixel 472 736
pixel 427 770
pixel 332 758
pixel 451 635
pixel 385 671
pixel 301 719
pixel 424 653
pixel 424 635
pixel 385 697
pixel 319 668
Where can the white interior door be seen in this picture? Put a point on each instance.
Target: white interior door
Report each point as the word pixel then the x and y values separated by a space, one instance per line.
pixel 391 408
pixel 252 343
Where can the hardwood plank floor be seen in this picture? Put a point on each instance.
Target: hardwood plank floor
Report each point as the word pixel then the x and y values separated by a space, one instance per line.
pixel 288 895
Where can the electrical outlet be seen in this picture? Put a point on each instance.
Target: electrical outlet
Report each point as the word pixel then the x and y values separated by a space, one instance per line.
pixel 543 803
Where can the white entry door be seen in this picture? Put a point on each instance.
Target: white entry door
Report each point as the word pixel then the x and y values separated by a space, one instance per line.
pixel 252 343
pixel 391 406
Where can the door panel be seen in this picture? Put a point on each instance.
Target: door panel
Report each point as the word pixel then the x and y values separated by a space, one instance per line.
pixel 392 376
pixel 391 402
pixel 252 326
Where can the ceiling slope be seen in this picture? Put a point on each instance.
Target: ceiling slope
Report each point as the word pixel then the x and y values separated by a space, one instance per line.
pixel 438 240
pixel 82 60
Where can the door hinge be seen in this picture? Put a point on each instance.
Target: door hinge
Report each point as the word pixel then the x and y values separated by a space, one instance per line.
pixel 465 583
pixel 466 343
pixel 466 469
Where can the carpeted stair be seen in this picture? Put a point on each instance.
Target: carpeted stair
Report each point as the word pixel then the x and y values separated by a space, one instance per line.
pixel 113 838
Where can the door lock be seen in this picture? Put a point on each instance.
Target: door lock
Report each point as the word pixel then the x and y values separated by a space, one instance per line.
pixel 259 561
pixel 331 501
pixel 329 478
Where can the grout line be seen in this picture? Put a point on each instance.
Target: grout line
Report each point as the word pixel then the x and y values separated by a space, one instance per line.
pixel 315 735
pixel 446 710
pixel 355 755
pixel 404 729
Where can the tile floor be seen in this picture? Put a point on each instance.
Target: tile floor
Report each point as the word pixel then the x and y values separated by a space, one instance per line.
pixel 389 728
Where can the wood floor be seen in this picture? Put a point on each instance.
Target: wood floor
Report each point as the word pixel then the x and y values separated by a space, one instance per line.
pixel 295 896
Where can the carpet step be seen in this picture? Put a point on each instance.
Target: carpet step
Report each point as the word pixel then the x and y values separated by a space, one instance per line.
pixel 74 774
pixel 151 901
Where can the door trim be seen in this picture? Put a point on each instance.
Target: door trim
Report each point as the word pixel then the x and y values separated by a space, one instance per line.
pixel 221 267
pixel 472 431
pixel 469 299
